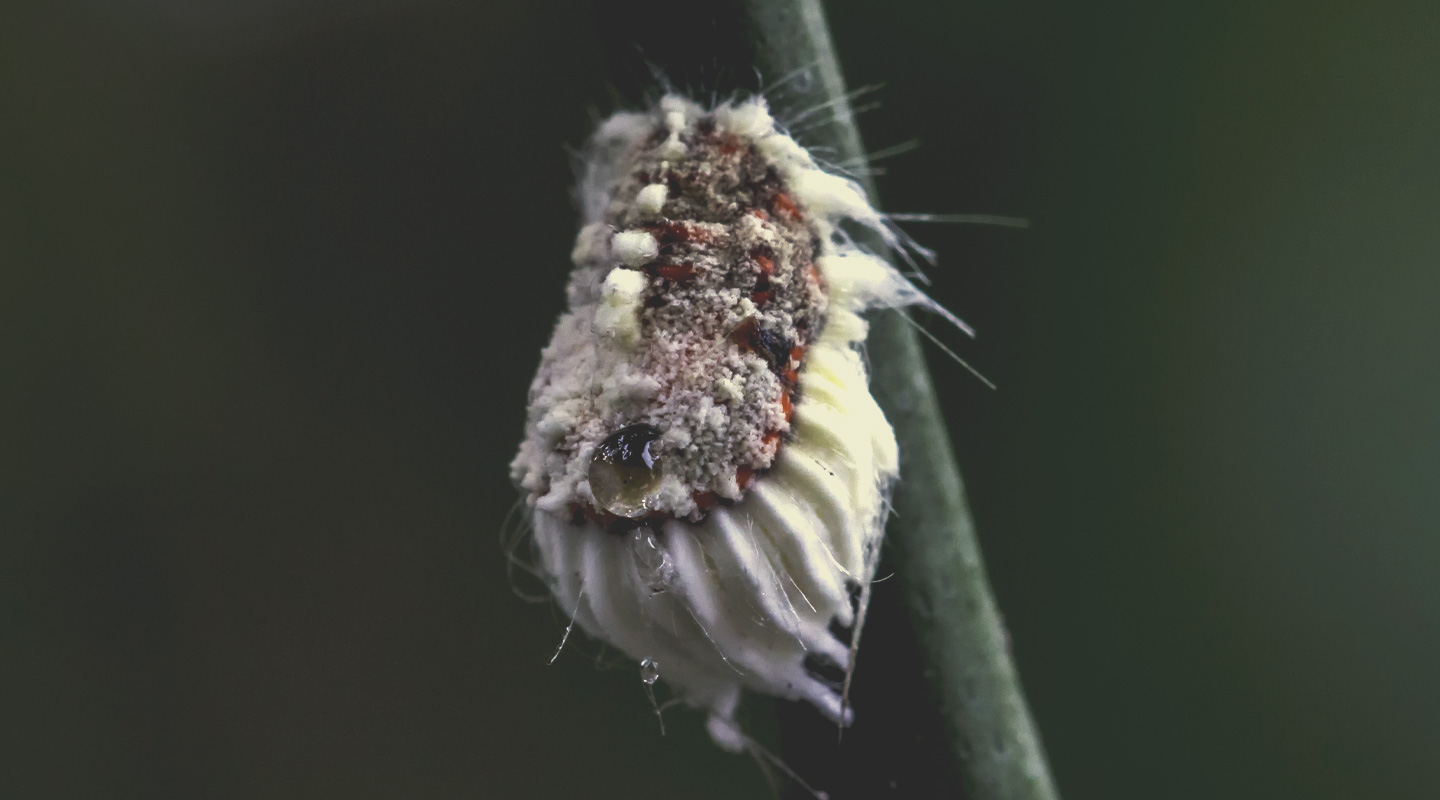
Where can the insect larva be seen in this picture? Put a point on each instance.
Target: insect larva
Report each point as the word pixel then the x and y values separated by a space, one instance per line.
pixel 707 469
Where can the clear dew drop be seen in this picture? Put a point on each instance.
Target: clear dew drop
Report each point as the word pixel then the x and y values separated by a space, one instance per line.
pixel 649 671
pixel 652 563
pixel 625 473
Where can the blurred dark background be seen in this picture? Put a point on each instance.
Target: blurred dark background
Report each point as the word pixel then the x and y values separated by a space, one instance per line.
pixel 275 275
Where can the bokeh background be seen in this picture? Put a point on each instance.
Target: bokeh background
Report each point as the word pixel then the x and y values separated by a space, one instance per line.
pixel 273 278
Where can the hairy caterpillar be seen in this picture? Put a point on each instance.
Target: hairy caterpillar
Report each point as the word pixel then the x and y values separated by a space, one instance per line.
pixel 707 469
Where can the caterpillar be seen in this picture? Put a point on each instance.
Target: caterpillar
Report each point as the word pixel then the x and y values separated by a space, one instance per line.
pixel 706 468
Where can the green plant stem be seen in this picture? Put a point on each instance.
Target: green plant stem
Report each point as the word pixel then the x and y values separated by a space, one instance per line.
pixel 931 539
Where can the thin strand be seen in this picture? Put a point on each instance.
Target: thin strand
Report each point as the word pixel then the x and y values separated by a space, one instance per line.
pixel 759 751
pixel 962 362
pixel 511 538
pixel 945 314
pixel 801 592
pixel 650 693
pixel 783 84
pixel 887 152
pixel 997 220
pixel 779 587
pixel 712 641
pixel 862 608
pixel 836 117
pixel 813 110
pixel 571 626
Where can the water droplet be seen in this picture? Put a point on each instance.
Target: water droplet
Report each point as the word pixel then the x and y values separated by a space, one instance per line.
pixel 649 671
pixel 624 473
pixel 652 563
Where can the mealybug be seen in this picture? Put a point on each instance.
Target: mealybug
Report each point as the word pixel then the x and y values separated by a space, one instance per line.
pixel 707 469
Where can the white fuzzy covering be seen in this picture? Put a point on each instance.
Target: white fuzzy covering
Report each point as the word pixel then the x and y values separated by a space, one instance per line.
pixel 741 598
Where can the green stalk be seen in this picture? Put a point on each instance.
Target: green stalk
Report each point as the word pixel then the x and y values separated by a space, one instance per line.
pixel 931 540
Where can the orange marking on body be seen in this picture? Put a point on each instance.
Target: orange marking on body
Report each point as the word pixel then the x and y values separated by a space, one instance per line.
pixel 670 232
pixel 787 406
pixel 761 298
pixel 676 272
pixel 705 500
pixel 771 442
pixel 744 332
pixel 783 205
pixel 743 476
pixel 767 266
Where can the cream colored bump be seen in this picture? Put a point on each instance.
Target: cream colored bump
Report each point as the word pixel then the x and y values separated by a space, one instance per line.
pixel 634 248
pixel 751 120
pixel 617 319
pixel 787 154
pixel 651 199
pixel 834 196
